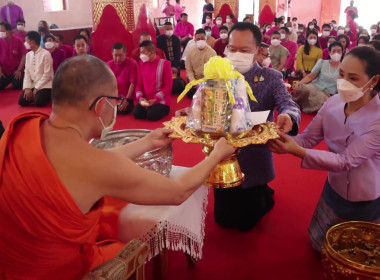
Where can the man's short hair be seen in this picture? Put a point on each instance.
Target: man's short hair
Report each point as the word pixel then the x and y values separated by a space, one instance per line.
pixel 223 27
pixel 119 46
pixel 243 26
pixel 168 23
pixel 333 21
pixel 34 36
pixel 6 25
pixel 326 25
pixel 285 29
pixel 78 78
pixel 183 15
pixel 263 45
pixel 21 20
pixel 200 31
pixel 207 27
pixel 60 36
pixel 148 45
pixel 51 36
pixel 275 33
pixel 145 34
pixel 78 37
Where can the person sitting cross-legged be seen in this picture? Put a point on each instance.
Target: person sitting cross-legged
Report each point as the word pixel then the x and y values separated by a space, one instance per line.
pixel 170 44
pixel 125 71
pixel 154 84
pixel 39 73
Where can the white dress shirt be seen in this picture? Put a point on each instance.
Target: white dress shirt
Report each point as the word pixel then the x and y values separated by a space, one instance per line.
pixel 39 71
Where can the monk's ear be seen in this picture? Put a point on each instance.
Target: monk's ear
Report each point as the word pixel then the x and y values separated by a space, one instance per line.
pixel 99 105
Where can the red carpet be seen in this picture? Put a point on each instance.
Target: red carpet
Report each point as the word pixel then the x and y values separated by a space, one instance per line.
pixel 277 248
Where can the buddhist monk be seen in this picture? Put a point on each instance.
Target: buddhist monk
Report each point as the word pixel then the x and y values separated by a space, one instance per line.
pixel 52 182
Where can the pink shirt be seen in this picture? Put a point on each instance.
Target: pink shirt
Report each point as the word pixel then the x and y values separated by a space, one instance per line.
pixel 20 35
pixel 11 52
pixel 292 47
pixel 269 33
pixel 326 54
pixel 208 24
pixel 126 74
pixel 155 81
pixel 168 10
pixel 215 31
pixel 184 29
pixel 178 11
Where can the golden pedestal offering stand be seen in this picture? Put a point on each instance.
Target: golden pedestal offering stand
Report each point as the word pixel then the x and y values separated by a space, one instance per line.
pixel 227 173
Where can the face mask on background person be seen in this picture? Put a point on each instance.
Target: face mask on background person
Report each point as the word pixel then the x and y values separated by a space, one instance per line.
pixel 349 92
pixel 267 29
pixel 282 36
pixel 107 129
pixel 208 20
pixel 326 33
pixel 27 46
pixel 347 29
pixel 208 33
pixel 201 44
pixel 290 29
pixel 373 31
pixel 242 62
pixel 20 28
pixel 49 45
pixel 336 57
pixel 169 33
pixel 266 62
pixel 3 35
pixel 311 27
pixel 312 42
pixel 228 20
pixel 223 36
pixel 218 22
pixel 144 57
pixel 282 25
pixel 275 42
pixel 340 32
pixel 41 29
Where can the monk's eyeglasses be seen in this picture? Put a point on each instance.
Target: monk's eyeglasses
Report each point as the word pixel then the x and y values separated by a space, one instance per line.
pixel 118 99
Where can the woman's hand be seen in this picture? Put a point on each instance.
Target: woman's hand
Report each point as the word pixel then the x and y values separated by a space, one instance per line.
pixel 286 145
pixel 222 149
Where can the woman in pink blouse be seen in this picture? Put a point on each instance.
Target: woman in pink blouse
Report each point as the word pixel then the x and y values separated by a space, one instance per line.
pixel 349 122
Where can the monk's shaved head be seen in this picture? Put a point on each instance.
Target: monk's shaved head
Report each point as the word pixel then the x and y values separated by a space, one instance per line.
pixel 81 78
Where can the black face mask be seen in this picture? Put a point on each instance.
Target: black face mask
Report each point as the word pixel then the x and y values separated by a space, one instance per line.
pixel 41 29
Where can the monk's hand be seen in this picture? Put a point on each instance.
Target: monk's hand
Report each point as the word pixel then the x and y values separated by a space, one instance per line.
pixel 286 145
pixel 159 138
pixel 183 112
pixel 284 123
pixel 28 94
pixel 222 149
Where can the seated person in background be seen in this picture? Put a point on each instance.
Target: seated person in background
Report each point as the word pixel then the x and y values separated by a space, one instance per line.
pixel 345 41
pixel 263 55
pixel 278 53
pixel 362 41
pixel 85 33
pixel 11 13
pixel 170 44
pixel 221 43
pixel 309 54
pixel 197 57
pixel 12 58
pixel 154 84
pixel 247 19
pixel 145 36
pixel 334 28
pixel 57 54
pixel 292 33
pixel 229 21
pixel 291 47
pixel 184 30
pixel 364 32
pixel 313 90
pixel 376 37
pixel 178 83
pixel 326 31
pixel 39 73
pixel 20 32
pixel 215 30
pixel 326 52
pixel 125 71
pixel 208 22
pixel 301 40
pixel 68 50
pixel 80 45
pixel 209 39
pixel 61 206
pixel 375 44
pixel 43 30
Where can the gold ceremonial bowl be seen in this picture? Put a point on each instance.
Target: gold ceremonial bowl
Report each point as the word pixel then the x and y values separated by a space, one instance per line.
pixel 352 251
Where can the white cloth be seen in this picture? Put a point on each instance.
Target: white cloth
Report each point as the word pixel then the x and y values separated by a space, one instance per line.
pixel 172 227
pixel 39 71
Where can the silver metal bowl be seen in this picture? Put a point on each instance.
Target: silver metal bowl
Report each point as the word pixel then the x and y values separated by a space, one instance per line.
pixel 159 160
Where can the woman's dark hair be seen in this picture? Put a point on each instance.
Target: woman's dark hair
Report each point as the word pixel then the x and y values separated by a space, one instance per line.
pixel 365 38
pixel 336 44
pixel 307 46
pixel 278 20
pixel 231 16
pixel 371 60
pixel 375 44
pixel 86 31
pixel 345 37
pixel 51 36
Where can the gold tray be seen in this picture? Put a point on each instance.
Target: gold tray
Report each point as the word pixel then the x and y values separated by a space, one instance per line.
pixel 259 134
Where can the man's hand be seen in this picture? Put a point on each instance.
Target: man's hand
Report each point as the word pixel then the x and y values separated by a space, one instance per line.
pixel 28 94
pixel 183 112
pixel 35 92
pixel 284 123
pixel 143 102
pixel 286 145
pixel 152 102
pixel 17 74
pixel 159 137
pixel 222 149
pixel 123 105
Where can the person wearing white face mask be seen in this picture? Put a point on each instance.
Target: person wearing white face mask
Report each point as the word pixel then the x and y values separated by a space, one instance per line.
pixel 221 44
pixel 39 74
pixel 57 55
pixel 208 22
pixel 208 10
pixel 170 44
pixel 326 31
pixel 12 58
pixel 209 39
pixel 308 54
pixel 292 48
pixel 197 57
pixel 313 90
pixel 279 22
pixel 11 13
pixel 229 21
pixel 215 29
pixel 154 84
pixel 292 35
pixel 349 123
pixel 20 31
pixel 278 53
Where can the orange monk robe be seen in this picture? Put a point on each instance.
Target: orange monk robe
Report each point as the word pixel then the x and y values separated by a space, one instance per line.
pixel 43 233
